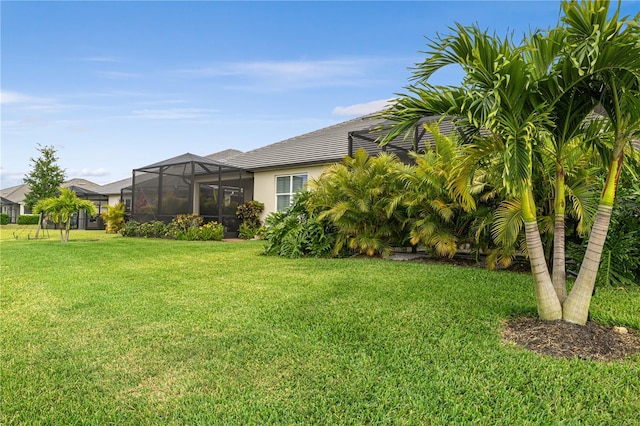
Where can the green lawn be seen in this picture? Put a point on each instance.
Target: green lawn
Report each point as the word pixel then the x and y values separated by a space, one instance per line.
pixel 109 330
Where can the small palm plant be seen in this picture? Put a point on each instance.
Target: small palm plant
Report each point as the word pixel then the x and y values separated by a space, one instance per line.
pixel 61 209
pixel 114 218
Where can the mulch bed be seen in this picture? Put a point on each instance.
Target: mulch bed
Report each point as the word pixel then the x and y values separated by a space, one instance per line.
pixel 566 340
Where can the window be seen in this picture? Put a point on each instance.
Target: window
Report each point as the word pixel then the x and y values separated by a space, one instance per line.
pixel 286 187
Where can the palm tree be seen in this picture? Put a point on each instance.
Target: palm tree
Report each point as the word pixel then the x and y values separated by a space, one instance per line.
pixel 498 95
pixel 541 90
pixel 62 208
pixel 607 52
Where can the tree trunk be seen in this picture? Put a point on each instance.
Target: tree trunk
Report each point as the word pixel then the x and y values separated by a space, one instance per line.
pixel 549 307
pixel 576 307
pixel 66 231
pixel 41 215
pixel 559 262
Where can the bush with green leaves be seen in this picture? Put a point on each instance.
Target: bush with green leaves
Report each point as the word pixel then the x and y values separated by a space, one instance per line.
pixel 185 227
pixel 4 218
pixel 28 219
pixel 182 227
pixel 361 196
pixel 249 215
pixel 299 231
pixel 248 231
pixel 212 231
pixel 154 229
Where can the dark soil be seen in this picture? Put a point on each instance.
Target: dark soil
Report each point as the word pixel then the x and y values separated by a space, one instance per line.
pixel 566 340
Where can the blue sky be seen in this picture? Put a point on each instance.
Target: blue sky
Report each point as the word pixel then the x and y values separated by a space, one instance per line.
pixel 118 85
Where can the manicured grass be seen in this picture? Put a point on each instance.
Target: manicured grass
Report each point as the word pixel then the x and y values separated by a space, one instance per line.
pixel 109 330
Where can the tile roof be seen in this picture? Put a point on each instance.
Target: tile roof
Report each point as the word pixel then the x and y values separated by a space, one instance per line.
pixel 320 146
pixel 326 145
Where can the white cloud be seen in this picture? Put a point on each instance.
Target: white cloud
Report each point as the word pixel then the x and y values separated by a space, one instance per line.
pixel 172 113
pixel 7 97
pixel 10 178
pixel 288 75
pixel 362 109
pixel 99 59
pixel 117 75
pixel 86 172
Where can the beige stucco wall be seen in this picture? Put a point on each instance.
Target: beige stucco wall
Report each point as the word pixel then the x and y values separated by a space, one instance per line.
pixel 264 184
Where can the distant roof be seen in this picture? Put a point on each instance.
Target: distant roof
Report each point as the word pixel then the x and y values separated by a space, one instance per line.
pixel 81 183
pixel 17 193
pixel 225 155
pixel 327 145
pixel 6 201
pixel 115 187
pixel 185 159
pixel 87 193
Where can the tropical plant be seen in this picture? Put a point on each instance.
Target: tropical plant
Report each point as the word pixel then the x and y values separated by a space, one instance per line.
pixel 606 51
pixel 515 97
pixel 114 218
pixel 435 219
pixel 298 231
pixel 212 231
pixel 61 209
pixel 249 213
pixel 361 197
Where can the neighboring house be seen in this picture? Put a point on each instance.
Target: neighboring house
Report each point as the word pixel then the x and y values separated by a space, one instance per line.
pixel 84 189
pixel 10 208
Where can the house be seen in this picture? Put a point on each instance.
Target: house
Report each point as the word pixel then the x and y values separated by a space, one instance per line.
pixel 213 186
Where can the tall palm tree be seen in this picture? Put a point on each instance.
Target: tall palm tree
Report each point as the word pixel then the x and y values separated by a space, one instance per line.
pixel 62 208
pixel 606 51
pixel 498 95
pixel 541 90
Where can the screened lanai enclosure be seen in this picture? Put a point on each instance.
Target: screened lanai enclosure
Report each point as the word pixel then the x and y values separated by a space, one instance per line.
pixel 190 184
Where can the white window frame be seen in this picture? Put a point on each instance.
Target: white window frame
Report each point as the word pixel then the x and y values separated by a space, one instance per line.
pixel 290 192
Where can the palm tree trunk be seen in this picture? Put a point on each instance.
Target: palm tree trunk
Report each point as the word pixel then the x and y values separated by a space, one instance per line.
pixel 549 307
pixel 40 216
pixel 559 268
pixel 66 232
pixel 576 307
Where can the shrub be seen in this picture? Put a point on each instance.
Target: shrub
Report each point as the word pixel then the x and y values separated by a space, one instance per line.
pixel 130 229
pixel 114 218
pixel 247 231
pixel 299 231
pixel 28 219
pixel 249 215
pixel 212 231
pixel 185 226
pixel 4 218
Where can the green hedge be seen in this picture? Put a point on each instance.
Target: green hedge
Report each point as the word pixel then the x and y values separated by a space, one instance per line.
pixel 28 219
pixel 4 218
